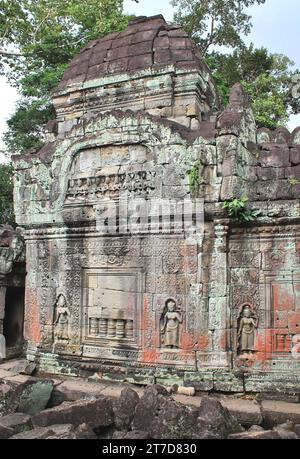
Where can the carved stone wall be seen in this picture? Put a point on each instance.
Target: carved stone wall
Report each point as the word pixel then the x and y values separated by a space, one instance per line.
pixel 216 305
pixel 268 278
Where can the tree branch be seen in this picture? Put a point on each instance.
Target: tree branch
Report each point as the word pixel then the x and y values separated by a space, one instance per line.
pixel 210 36
pixel 39 26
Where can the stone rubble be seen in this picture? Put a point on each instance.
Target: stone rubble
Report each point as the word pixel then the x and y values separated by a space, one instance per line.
pixel 89 410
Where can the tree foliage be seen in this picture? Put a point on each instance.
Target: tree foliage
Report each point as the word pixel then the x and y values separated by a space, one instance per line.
pixel 214 22
pixel 266 77
pixel 38 38
pixel 6 194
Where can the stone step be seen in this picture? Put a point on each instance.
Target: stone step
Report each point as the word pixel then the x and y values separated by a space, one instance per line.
pixel 79 389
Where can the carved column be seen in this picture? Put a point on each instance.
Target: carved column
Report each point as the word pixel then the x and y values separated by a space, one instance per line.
pixel 218 321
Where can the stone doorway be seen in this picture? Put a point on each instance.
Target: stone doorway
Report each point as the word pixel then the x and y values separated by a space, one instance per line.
pixel 14 317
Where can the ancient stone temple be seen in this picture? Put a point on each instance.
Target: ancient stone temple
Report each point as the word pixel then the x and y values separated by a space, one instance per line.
pixel 135 270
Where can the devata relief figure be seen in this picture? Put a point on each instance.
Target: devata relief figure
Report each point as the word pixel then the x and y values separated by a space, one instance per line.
pixel 246 332
pixel 62 319
pixel 171 319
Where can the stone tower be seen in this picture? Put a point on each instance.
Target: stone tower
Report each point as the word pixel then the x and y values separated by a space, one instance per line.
pixel 134 269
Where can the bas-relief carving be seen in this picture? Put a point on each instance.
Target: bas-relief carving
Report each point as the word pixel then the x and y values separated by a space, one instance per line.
pixel 15 251
pixel 95 174
pixel 139 184
pixel 111 307
pixel 62 319
pixel 170 325
pixel 247 325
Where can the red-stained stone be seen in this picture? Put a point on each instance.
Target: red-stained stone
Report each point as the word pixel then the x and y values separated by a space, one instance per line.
pixel 186 342
pixel 280 319
pixel 294 322
pixel 283 297
pixel 204 342
pixel 32 331
pixel 150 356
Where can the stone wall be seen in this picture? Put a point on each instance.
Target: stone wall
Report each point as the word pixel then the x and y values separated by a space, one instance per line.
pixel 216 305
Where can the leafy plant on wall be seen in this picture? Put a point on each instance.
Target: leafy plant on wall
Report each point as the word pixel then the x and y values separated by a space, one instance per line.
pixel 238 210
pixel 195 177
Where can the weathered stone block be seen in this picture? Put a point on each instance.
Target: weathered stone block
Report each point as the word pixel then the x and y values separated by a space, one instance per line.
pixel 35 397
pixel 266 173
pixel 97 413
pixel 124 408
pixel 201 382
pixel 295 155
pixel 17 422
pixel 247 412
pixel 274 155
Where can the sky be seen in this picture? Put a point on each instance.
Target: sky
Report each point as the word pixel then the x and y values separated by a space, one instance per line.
pixel 275 26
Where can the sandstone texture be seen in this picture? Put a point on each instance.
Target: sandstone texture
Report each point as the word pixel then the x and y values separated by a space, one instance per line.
pixel 162 239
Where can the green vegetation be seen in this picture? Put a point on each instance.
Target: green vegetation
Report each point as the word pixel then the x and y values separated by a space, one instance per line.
pixel 38 40
pixel 6 194
pixel 214 22
pixel 194 177
pixel 265 76
pixel 238 210
pixel 293 181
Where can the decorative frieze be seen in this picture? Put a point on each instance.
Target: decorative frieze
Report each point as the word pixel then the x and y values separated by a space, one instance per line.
pixel 139 184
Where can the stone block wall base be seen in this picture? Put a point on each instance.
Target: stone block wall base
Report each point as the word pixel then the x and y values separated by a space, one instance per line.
pixel 212 380
pixel 15 351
